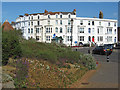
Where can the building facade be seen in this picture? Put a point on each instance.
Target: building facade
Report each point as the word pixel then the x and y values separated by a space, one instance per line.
pixel 45 26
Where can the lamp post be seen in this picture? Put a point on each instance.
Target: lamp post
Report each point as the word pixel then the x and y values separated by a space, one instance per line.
pixel 71 30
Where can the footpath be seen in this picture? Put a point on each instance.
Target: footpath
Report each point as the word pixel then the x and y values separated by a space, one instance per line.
pixel 105 76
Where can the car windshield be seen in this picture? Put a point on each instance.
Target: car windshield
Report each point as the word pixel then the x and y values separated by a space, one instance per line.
pixel 107 47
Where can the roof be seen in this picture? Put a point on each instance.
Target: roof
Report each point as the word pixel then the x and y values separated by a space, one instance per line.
pixel 7 26
pixel 97 19
pixel 51 13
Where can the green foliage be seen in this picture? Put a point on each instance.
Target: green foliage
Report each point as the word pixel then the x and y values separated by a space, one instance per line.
pixel 88 61
pixel 10 45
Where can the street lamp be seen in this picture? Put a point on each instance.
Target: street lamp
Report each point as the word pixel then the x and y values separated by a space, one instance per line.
pixel 71 30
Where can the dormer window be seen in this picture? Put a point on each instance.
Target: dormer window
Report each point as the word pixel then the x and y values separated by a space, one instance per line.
pixel 38 17
pixel 69 16
pixel 60 16
pixel 115 24
pixel 56 16
pixel 108 23
pixel 49 16
pixel 32 17
pixel 81 22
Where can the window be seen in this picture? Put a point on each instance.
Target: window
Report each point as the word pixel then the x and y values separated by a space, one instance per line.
pixel 115 40
pixel 32 23
pixel 115 31
pixel 38 17
pixel 109 38
pixel 28 30
pixel 32 17
pixel 81 22
pixel 37 30
pixel 81 38
pixel 60 29
pixel 56 22
pixel 89 38
pixel 89 30
pixel 115 24
pixel 88 22
pixel 51 30
pixel 80 30
pixel 69 38
pixel 60 16
pixel 109 30
pixel 38 23
pixel 69 30
pixel 29 18
pixel 108 23
pixel 92 22
pixel 56 29
pixel 47 38
pixel 48 30
pixel 56 16
pixel 49 16
pixel 98 38
pixel 31 30
pixel 101 38
pixel 69 16
pixel 37 37
pixel 48 21
pixel 98 31
pixel 93 30
pixel 100 23
pixel 68 22
pixel 60 22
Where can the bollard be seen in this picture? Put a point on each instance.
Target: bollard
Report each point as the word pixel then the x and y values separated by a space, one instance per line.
pixel 96 63
pixel 107 58
pixel 76 49
pixel 89 51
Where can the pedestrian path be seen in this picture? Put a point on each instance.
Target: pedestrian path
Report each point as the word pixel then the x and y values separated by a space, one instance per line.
pixel 105 77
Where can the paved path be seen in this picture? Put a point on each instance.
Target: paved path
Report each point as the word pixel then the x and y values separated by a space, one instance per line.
pixel 107 75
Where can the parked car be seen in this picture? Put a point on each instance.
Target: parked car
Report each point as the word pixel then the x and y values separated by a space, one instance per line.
pixel 103 50
pixel 109 45
pixel 80 44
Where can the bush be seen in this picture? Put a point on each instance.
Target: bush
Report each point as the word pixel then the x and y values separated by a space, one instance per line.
pixel 88 61
pixel 10 46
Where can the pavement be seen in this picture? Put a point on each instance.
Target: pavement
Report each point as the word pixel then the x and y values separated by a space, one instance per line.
pixel 107 75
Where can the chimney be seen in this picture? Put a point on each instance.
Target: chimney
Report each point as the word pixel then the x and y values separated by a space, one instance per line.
pixel 46 11
pixel 74 11
pixel 101 15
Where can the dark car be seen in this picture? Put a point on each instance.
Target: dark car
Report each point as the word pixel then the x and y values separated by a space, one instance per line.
pixel 109 45
pixel 103 50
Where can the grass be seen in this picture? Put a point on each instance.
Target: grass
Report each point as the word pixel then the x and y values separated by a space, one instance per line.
pixel 50 52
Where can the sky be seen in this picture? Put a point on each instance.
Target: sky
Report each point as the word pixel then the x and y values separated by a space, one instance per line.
pixel 11 10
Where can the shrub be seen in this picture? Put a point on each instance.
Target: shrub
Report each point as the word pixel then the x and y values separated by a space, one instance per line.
pixel 88 61
pixel 10 46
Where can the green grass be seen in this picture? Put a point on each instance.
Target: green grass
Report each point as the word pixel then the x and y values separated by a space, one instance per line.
pixel 50 52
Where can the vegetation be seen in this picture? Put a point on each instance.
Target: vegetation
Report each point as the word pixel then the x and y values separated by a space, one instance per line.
pixel 10 46
pixel 43 64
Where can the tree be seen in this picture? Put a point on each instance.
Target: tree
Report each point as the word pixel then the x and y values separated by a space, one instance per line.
pixel 10 46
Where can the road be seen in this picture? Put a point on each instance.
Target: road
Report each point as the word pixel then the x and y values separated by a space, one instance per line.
pixel 107 75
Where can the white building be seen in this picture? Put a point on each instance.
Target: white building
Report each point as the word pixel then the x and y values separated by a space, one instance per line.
pixel 43 26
